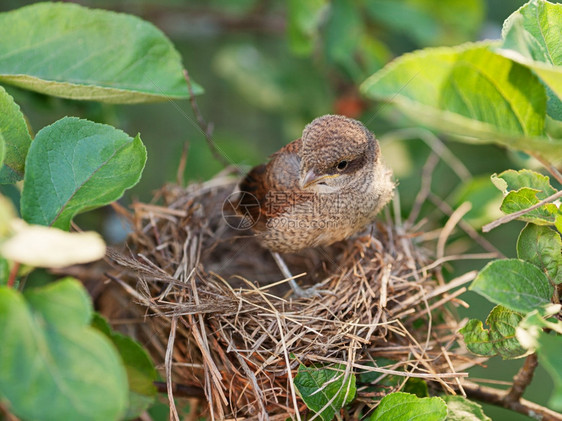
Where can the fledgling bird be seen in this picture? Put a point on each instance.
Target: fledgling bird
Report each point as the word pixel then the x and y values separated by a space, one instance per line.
pixel 318 189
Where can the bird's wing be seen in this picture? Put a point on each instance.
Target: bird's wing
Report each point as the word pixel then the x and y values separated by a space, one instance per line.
pixel 279 176
pixel 284 166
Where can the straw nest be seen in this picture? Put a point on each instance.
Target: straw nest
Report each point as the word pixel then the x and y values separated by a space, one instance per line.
pixel 221 322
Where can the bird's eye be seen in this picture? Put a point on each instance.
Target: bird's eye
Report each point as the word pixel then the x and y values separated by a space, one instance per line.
pixel 342 165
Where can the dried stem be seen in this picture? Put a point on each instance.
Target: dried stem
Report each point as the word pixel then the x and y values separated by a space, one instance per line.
pixel 181 167
pixel 436 145
pixel 206 128
pixel 498 397
pixel 507 218
pixel 522 379
pixel 181 390
pixel 174 416
pixel 550 168
pixel 465 226
pixel 425 188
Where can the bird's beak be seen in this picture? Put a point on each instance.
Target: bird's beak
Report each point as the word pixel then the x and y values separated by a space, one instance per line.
pixel 311 178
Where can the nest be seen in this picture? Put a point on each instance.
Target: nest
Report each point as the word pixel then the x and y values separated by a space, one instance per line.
pixel 220 318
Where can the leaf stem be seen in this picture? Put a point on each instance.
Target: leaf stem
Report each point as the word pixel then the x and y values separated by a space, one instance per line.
pixel 206 128
pixel 510 217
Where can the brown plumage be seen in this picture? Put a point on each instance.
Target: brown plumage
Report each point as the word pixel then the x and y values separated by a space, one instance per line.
pixel 318 189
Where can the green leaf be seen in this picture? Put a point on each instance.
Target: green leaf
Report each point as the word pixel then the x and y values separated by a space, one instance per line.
pixel 2 148
pixel 4 271
pixel 523 189
pixel 405 407
pixel 471 93
pixel 430 22
pixel 304 18
pixel 499 339
pixel 523 199
pixel 512 180
pixel 52 364
pixel 325 389
pixel 14 139
pixel 141 372
pixel 416 386
pixel 7 216
pixel 542 246
pixel 532 37
pixel 70 51
pixel 461 409
pixel 550 358
pixel 515 284
pixel 64 304
pixel 380 383
pixel 75 165
pixel 558 222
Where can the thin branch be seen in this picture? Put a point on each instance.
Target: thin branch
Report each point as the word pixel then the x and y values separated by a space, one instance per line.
pixel 13 275
pixel 522 379
pixel 182 164
pixel 425 188
pixel 507 218
pixel 550 168
pixel 436 145
pixel 205 127
pixel 465 226
pixel 498 397
pixel 256 21
pixel 181 390
pixel 6 415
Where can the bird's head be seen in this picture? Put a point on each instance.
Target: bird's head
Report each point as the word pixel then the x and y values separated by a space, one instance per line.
pixel 336 151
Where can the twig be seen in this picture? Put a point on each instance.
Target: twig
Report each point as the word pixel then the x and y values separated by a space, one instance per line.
pixel 206 128
pixel 425 188
pixel 13 275
pixel 182 164
pixel 498 397
pixel 450 225
pixel 522 379
pixel 550 168
pixel 506 218
pixel 465 226
pixel 257 21
pixel 436 145
pixel 181 390
pixel 6 415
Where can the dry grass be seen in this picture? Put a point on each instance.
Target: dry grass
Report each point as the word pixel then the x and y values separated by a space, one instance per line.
pixel 221 317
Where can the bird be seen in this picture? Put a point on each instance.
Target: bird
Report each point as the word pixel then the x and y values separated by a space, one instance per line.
pixel 319 189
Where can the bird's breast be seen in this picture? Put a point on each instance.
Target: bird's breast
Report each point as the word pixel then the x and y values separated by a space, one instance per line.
pixel 309 219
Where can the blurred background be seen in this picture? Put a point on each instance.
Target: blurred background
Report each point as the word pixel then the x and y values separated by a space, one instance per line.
pixel 270 67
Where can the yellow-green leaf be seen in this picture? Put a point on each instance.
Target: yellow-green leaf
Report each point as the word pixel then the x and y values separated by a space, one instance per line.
pixel 532 37
pixel 14 139
pixel 469 92
pixel 67 50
